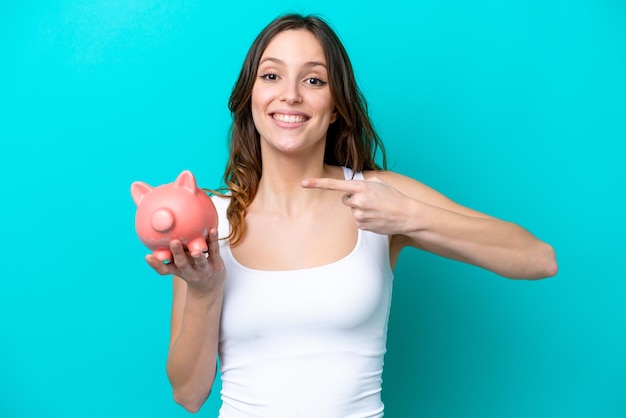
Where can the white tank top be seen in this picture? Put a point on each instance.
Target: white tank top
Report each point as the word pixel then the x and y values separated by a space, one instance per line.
pixel 305 343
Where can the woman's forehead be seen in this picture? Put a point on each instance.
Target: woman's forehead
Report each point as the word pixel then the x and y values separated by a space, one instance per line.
pixel 294 46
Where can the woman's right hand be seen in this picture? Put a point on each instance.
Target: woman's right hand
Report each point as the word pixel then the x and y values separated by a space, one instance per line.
pixel 203 272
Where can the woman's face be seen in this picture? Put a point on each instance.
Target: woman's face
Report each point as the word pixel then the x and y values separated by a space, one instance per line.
pixel 291 102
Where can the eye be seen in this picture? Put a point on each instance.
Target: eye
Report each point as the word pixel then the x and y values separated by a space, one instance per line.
pixel 269 77
pixel 314 81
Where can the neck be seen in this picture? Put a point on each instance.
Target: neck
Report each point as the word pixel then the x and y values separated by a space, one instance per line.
pixel 280 187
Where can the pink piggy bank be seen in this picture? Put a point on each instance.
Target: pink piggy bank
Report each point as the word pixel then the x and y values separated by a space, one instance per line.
pixel 178 210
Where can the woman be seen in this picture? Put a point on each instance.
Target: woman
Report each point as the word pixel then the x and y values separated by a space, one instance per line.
pixel 294 294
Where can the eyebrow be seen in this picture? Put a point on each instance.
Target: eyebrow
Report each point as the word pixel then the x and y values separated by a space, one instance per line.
pixel 281 62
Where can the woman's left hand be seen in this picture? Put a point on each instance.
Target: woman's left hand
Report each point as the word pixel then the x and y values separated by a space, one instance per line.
pixel 376 205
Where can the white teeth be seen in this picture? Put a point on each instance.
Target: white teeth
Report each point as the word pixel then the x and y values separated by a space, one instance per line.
pixel 289 118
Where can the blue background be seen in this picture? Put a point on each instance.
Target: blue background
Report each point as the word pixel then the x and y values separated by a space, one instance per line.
pixel 517 109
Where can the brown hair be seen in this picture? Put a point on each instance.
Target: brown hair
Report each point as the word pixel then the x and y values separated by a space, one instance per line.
pixel 351 140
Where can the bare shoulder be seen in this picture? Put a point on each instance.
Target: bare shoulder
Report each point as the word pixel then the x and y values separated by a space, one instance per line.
pixel 415 189
pixel 406 185
pixel 394 179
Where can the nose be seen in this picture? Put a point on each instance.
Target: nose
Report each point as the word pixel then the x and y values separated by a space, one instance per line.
pixel 291 93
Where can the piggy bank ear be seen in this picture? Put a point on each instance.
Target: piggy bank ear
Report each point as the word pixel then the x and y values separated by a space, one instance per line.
pixel 186 180
pixel 138 190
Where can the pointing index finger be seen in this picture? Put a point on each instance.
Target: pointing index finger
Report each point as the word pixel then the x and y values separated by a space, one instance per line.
pixel 347 186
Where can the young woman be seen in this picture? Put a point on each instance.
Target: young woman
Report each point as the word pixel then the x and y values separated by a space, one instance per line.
pixel 294 294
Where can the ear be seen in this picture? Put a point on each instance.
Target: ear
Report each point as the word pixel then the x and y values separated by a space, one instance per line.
pixel 186 180
pixel 138 190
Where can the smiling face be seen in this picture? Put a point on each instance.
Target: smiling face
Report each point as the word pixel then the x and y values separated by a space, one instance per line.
pixel 292 105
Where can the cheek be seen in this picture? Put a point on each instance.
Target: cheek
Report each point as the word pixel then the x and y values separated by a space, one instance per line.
pixel 255 98
pixel 322 103
pixel 257 104
pixel 261 93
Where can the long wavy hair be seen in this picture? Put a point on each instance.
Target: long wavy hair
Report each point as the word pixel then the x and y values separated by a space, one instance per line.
pixel 351 140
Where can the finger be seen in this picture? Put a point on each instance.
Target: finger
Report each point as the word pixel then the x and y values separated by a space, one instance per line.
pixel 159 266
pixel 179 255
pixel 214 248
pixel 329 184
pixel 201 260
pixel 347 186
pixel 214 244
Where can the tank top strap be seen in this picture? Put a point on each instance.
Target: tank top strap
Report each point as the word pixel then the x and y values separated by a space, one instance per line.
pixel 348 174
pixel 223 225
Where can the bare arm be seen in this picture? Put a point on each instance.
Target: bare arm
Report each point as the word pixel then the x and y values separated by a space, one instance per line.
pixel 196 309
pixel 415 215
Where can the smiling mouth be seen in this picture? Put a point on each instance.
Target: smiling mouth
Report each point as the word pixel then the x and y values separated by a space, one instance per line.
pixel 289 118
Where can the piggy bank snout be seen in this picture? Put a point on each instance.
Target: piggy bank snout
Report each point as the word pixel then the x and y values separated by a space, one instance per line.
pixel 163 220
